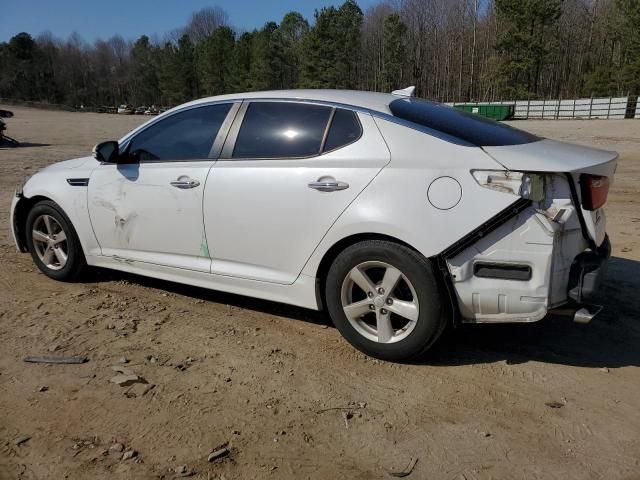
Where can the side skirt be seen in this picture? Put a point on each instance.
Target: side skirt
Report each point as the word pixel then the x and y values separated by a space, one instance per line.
pixel 301 293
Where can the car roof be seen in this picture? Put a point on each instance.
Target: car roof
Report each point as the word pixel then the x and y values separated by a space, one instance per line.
pixel 375 101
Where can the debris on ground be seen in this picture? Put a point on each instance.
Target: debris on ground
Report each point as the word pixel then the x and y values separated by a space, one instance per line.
pixel 182 366
pixel 126 380
pixel 57 360
pixel 219 452
pixel 21 439
pixel 127 376
pixel 407 470
pixel 139 390
pixel 554 404
pixel 43 388
pixel 117 447
pixel 351 406
pixel 347 415
pixel 129 454
pixel 182 471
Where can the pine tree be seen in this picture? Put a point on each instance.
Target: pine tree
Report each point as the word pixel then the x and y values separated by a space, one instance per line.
pixel 292 30
pixel 21 53
pixel 186 68
pixel 144 73
pixel 177 74
pixel 267 59
pixel 241 63
pixel 331 50
pixel 349 26
pixel 394 52
pixel 525 42
pixel 213 62
pixel 630 33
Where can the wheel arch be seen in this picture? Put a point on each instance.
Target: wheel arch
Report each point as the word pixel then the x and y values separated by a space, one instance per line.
pixel 22 209
pixel 331 254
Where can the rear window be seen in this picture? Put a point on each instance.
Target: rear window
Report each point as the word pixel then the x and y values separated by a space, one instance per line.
pixel 467 127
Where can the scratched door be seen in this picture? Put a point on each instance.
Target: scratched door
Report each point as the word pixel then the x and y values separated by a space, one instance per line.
pixel 151 212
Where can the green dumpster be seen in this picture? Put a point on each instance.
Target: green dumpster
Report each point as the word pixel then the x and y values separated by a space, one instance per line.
pixel 496 112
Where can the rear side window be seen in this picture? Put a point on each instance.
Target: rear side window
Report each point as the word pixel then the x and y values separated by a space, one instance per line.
pixel 187 135
pixel 281 130
pixel 470 129
pixel 345 129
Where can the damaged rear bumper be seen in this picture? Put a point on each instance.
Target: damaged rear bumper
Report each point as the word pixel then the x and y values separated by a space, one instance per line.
pixel 587 271
pixel 525 265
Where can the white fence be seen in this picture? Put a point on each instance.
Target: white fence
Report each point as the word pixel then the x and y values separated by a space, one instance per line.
pixel 582 108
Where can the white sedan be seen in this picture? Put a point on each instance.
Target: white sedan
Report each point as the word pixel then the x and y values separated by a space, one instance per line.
pixel 399 216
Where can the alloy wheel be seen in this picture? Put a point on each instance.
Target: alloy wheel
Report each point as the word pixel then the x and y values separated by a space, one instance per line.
pixel 50 242
pixel 380 302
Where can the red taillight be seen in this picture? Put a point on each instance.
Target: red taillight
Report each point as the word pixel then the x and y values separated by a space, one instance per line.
pixel 594 191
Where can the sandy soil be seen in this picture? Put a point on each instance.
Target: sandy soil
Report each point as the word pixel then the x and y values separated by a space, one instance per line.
pixel 291 398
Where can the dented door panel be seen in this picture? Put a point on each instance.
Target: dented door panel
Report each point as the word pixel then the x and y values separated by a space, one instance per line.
pixel 138 215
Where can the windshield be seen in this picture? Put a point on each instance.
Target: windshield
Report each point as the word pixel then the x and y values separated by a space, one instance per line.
pixel 468 127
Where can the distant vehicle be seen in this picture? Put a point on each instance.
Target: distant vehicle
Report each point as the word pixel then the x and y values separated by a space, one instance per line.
pixel 125 110
pixel 397 215
pixel 4 140
pixel 152 110
pixel 140 110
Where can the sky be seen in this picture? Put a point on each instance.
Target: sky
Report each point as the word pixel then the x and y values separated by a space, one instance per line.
pixel 94 19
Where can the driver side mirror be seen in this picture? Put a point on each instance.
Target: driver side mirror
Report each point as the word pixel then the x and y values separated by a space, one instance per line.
pixel 107 152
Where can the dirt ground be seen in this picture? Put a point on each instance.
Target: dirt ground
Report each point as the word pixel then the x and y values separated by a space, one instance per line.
pixel 551 400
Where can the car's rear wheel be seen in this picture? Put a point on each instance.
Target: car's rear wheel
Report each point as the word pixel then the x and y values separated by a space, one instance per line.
pixel 384 299
pixel 53 242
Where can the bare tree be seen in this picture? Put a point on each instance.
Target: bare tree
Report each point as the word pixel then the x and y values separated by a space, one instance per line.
pixel 204 22
pixel 371 63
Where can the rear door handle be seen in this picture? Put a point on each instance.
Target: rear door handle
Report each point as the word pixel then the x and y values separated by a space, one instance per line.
pixel 328 184
pixel 183 182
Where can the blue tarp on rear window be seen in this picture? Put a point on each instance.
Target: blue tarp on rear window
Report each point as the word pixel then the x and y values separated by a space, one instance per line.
pixel 468 127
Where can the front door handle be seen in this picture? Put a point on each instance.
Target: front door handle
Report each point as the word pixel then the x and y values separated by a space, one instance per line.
pixel 328 184
pixel 184 182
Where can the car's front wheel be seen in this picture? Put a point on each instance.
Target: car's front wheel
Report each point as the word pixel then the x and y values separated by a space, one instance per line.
pixel 53 242
pixel 384 299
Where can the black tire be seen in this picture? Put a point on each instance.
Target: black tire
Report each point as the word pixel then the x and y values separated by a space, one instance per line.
pixel 76 264
pixel 432 313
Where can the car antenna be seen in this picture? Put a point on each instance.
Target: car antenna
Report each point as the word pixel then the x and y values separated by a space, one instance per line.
pixel 405 92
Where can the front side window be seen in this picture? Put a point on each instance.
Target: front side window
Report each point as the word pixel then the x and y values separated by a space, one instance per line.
pixel 187 135
pixel 281 130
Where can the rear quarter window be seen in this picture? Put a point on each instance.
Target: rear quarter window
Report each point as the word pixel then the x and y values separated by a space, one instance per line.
pixel 345 129
pixel 467 127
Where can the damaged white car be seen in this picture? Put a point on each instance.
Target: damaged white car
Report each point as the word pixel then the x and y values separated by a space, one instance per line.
pixel 397 215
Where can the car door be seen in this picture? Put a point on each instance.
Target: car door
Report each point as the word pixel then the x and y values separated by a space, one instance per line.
pixel 287 171
pixel 149 209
